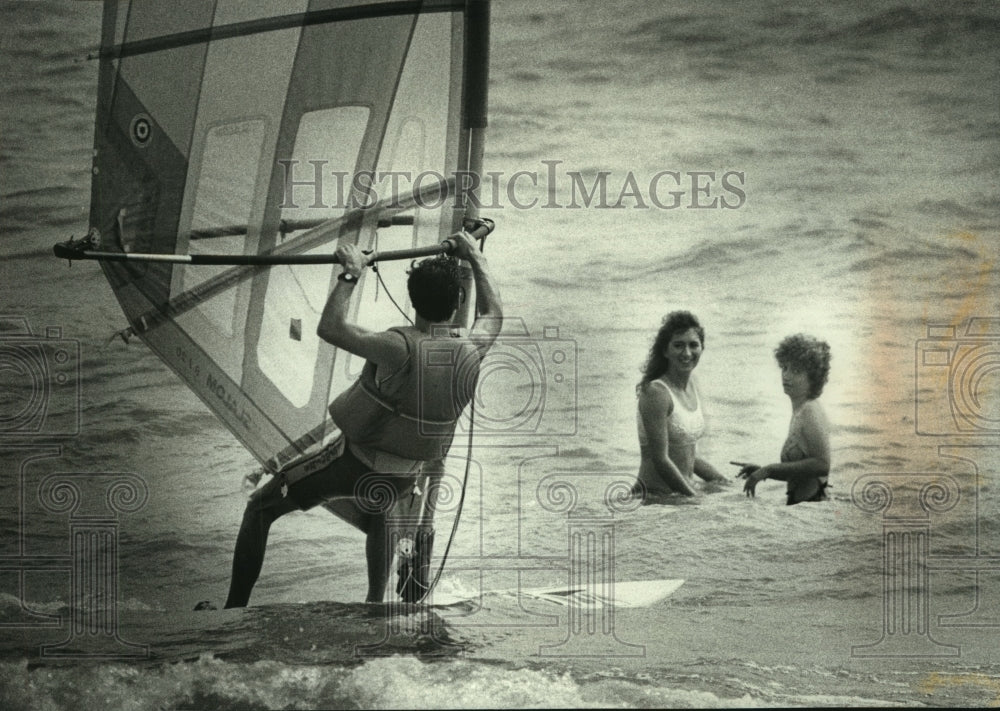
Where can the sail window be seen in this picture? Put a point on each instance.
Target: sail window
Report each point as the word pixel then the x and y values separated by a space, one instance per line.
pixel 227 177
pixel 324 158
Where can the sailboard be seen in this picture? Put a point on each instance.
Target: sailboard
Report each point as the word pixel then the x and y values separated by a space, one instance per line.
pixel 235 137
pixel 622 594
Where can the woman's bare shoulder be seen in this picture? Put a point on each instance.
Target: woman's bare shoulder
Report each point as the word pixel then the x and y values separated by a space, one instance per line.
pixel 656 389
pixel 655 393
pixel 812 413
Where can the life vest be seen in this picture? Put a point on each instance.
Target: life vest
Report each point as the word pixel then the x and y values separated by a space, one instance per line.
pixel 413 411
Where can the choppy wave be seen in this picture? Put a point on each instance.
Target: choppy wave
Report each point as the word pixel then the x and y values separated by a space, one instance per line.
pixel 931 27
pixel 705 31
pixel 209 682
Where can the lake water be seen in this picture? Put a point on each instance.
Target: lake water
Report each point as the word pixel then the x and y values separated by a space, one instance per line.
pixel 860 148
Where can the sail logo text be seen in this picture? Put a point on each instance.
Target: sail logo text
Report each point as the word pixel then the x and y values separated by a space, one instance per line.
pixel 311 184
pixel 227 400
pixel 193 375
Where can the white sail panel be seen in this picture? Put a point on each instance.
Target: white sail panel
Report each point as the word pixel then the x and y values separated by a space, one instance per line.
pixel 327 144
pixel 230 158
pixel 233 11
pixel 226 171
pixel 322 162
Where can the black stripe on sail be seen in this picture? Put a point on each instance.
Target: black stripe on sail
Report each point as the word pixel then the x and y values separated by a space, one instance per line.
pixel 281 22
pixel 477 63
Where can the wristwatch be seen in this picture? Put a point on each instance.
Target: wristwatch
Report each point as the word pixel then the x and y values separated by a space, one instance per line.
pixel 348 277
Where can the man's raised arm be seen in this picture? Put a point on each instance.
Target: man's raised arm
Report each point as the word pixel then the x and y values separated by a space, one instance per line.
pixel 489 308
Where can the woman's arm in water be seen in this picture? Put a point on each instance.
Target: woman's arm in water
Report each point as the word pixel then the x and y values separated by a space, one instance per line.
pixel 809 468
pixel 815 438
pixel 655 406
pixel 707 472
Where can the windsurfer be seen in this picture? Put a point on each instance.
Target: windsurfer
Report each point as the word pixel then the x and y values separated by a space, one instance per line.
pixel 400 413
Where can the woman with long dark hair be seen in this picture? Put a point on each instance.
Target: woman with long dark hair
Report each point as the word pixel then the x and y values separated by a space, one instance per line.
pixel 670 419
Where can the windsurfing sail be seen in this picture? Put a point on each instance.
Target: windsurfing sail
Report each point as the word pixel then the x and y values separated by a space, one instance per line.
pixel 267 127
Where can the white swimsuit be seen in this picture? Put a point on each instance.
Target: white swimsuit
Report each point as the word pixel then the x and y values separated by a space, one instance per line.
pixel 684 426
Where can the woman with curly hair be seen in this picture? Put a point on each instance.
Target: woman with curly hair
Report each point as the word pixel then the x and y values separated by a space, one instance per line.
pixel 805 456
pixel 669 418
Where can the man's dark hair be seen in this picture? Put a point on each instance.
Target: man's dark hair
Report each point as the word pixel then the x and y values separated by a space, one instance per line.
pixel 435 286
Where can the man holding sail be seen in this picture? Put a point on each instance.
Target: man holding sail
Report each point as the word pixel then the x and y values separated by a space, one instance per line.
pixel 400 413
